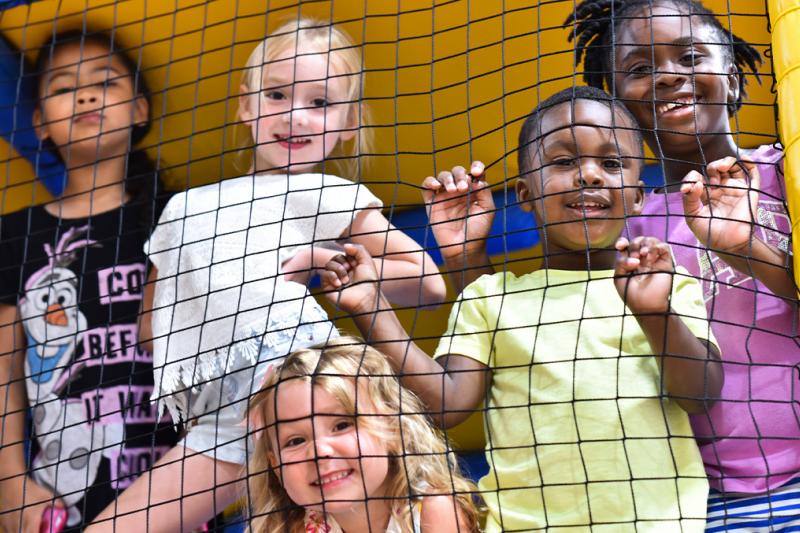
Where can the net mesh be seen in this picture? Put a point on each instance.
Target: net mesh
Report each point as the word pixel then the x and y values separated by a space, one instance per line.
pixel 563 396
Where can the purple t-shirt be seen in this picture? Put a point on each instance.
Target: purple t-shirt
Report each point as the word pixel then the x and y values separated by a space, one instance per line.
pixel 750 439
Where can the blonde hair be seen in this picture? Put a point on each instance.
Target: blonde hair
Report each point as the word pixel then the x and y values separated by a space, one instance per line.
pixel 418 453
pixel 345 62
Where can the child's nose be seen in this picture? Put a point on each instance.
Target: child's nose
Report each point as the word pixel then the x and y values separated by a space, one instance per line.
pixel 589 174
pixel 86 97
pixel 297 115
pixel 672 74
pixel 323 448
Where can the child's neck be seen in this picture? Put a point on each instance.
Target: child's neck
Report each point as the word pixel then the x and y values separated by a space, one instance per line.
pixel 579 260
pixel 92 189
pixel 678 165
pixel 372 516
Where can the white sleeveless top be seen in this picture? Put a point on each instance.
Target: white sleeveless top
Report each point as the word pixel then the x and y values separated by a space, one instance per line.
pixel 219 250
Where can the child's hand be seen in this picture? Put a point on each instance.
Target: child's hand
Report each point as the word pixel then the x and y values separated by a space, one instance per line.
pixel 350 280
pixel 643 274
pixel 460 210
pixel 721 211
pixel 300 267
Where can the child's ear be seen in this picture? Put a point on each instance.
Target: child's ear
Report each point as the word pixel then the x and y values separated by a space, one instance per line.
pixel 141 111
pixel 524 195
pixel 38 128
pixel 733 85
pixel 638 200
pixel 245 96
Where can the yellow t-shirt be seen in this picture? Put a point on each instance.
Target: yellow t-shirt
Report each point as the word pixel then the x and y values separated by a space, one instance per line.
pixel 577 429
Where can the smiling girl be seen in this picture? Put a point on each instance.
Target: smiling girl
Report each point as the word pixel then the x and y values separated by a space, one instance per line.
pixel 232 260
pixel 341 446
pixel 723 211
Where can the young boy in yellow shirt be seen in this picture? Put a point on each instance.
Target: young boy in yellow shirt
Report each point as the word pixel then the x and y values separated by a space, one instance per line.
pixel 589 366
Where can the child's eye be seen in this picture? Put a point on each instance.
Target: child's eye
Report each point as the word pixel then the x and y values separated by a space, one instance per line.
pixel 690 58
pixel 320 102
pixel 275 95
pixel 640 70
pixel 294 441
pixel 563 161
pixel 612 164
pixel 62 90
pixel 343 425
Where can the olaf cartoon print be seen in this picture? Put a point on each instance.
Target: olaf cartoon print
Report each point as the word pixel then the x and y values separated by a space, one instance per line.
pixel 71 449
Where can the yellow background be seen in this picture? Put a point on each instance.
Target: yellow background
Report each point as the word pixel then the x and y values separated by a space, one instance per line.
pixel 448 81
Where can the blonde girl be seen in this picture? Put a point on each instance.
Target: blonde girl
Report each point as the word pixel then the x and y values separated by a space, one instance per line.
pixel 231 261
pixel 340 445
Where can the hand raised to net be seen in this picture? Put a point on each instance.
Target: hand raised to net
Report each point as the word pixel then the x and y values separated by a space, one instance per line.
pixel 460 210
pixel 721 209
pixel 350 280
pixel 643 274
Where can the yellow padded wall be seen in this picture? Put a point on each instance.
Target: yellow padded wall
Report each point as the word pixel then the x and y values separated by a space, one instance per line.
pixel 785 17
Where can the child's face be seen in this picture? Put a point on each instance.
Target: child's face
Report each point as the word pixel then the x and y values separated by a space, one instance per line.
pixel 586 177
pixel 87 103
pixel 679 85
pixel 322 455
pixel 301 115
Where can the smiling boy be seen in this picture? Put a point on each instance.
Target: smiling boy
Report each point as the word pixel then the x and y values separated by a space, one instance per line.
pixel 587 366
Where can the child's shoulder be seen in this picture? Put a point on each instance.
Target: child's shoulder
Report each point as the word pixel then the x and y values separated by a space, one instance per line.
pixel 766 154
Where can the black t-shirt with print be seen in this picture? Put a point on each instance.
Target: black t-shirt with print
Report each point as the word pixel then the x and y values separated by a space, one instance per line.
pixel 78 286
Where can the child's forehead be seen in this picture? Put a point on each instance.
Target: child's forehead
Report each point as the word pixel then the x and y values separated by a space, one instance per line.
pixel 662 24
pixel 85 58
pixel 299 398
pixel 310 70
pixel 563 119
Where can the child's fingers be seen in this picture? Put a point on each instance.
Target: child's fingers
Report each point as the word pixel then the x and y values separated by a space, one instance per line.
pixel 337 271
pixel 750 172
pixel 477 169
pixel 724 164
pixel 359 253
pixel 446 179
pixel 461 178
pixel 627 260
pixel 694 193
pixel 430 186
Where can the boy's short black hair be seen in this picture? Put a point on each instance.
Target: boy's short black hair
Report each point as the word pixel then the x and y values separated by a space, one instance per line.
pixel 594 22
pixel 530 132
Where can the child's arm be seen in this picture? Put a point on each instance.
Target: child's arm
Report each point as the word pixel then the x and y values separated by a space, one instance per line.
pixel 17 490
pixel 722 214
pixel 460 212
pixel 442 513
pixel 451 386
pixel 691 368
pixel 145 313
pixel 408 274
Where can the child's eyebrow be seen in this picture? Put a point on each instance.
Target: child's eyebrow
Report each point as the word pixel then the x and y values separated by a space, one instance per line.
pixel 680 42
pixel 71 74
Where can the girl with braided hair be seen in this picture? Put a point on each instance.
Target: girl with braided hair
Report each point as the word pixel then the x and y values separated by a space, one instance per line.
pixel 723 211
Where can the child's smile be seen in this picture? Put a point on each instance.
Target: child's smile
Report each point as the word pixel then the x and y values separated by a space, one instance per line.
pixel 585 177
